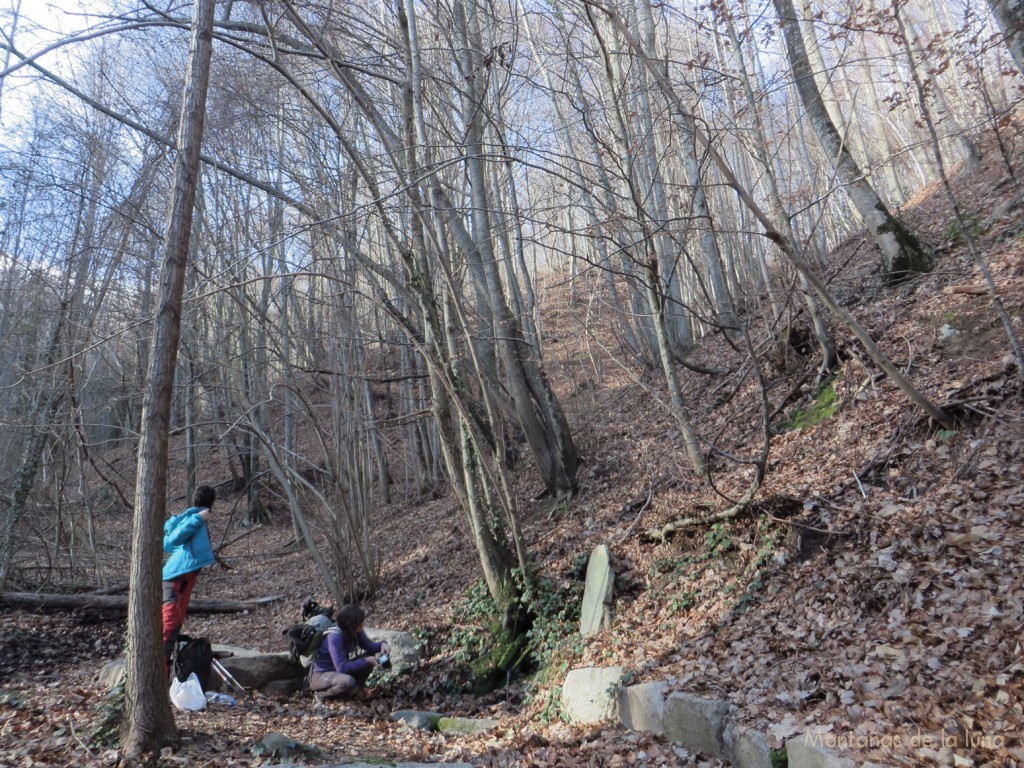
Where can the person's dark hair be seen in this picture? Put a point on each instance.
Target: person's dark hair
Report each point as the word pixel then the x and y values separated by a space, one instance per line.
pixel 350 617
pixel 205 496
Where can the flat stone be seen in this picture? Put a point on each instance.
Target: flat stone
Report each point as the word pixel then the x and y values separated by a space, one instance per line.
pixel 597 593
pixel 466 725
pixel 696 723
pixel 809 750
pixel 281 746
pixel 590 694
pixel 426 721
pixel 746 748
pixel 642 707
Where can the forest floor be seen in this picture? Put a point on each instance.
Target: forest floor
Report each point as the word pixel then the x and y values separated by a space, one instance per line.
pixel 872 590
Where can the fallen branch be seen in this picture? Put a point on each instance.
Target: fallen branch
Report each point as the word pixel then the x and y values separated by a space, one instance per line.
pixel 120 602
pixel 113 589
pixel 643 507
pixel 791 395
pixel 683 523
pixel 978 289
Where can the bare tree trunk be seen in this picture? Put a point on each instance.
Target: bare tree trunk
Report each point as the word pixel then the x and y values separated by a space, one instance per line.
pixel 40 420
pixel 1009 14
pixel 824 80
pixel 775 205
pixel 943 114
pixel 790 250
pixel 678 407
pixel 972 247
pixel 54 387
pixel 902 252
pixel 148 721
pixel 15 18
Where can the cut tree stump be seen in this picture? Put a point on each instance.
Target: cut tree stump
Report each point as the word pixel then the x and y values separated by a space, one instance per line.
pixel 120 602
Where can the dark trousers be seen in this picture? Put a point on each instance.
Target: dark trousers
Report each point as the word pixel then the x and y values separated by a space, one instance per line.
pixel 338 685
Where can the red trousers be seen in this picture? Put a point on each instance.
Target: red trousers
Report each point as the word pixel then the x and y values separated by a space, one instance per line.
pixel 177 594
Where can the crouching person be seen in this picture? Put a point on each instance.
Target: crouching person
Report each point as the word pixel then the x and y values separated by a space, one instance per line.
pixel 346 657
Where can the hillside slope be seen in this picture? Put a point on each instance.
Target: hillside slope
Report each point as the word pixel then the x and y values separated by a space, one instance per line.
pixel 870 591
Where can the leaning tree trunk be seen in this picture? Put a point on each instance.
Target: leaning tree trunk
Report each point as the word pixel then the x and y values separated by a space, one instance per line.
pixel 975 252
pixel 537 408
pixel 148 722
pixel 774 196
pixel 1009 14
pixel 902 252
pixel 788 247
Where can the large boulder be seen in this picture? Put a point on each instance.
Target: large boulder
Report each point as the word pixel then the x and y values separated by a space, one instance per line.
pixel 405 651
pixel 256 669
pixel 597 594
pixel 746 748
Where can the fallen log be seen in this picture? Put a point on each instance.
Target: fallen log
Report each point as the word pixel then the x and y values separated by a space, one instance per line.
pixel 120 602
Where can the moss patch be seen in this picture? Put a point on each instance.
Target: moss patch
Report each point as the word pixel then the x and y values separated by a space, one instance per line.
pixel 914 257
pixel 824 406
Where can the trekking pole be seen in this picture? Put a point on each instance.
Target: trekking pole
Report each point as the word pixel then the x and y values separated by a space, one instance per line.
pixel 228 678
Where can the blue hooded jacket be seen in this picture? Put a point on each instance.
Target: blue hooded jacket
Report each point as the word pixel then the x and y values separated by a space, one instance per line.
pixel 187 538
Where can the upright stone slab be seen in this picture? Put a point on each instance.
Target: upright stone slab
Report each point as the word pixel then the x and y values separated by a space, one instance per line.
pixel 642 707
pixel 589 695
pixel 809 750
pixel 597 594
pixel 696 723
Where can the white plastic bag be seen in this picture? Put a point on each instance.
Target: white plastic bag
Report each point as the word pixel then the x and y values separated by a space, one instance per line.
pixel 188 695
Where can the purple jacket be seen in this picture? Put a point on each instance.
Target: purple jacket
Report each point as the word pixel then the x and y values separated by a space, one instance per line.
pixel 336 649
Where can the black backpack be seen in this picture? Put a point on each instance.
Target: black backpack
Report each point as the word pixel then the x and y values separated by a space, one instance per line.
pixel 305 638
pixel 193 655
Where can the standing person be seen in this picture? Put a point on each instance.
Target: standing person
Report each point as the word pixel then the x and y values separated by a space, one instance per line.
pixel 335 674
pixel 187 538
